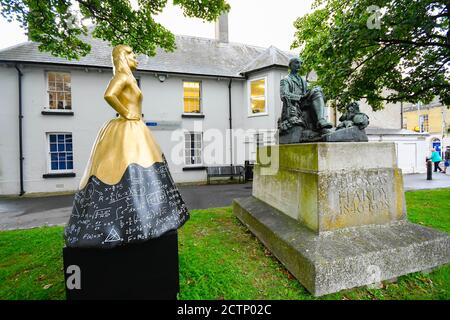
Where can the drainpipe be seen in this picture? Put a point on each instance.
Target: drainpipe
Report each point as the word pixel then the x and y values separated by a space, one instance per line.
pixel 21 158
pixel 401 115
pixel 231 124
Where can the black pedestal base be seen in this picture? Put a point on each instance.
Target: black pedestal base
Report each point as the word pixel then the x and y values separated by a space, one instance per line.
pixel 146 270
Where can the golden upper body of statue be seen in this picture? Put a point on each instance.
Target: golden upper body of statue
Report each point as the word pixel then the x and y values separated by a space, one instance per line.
pixel 126 139
pixel 123 93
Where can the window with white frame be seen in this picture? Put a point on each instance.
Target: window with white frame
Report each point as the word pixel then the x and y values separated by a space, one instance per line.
pixel 261 138
pixel 265 138
pixel 193 148
pixel 60 152
pixel 423 123
pixel 59 91
pixel 258 97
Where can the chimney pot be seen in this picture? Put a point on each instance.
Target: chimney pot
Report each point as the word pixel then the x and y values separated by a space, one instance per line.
pixel 222 28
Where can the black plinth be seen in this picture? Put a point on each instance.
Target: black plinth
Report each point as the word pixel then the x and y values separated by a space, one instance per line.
pixel 146 270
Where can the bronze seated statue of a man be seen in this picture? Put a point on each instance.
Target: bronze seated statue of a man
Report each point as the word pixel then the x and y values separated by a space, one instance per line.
pixel 302 107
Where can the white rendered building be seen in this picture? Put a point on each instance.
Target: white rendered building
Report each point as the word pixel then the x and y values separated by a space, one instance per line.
pixel 386 125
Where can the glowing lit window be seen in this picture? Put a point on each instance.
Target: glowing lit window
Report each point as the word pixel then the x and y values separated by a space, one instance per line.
pixel 192 97
pixel 258 96
pixel 59 91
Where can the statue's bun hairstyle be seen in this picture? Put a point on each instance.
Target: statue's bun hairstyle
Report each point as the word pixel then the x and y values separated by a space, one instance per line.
pixel 120 63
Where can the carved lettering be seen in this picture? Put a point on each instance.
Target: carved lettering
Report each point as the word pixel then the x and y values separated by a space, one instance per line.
pixel 362 194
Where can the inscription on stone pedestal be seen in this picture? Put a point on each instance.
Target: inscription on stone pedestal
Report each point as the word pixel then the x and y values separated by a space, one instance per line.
pixel 351 198
pixel 363 201
pixel 360 194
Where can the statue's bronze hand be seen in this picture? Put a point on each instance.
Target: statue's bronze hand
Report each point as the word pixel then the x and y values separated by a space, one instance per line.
pixel 303 98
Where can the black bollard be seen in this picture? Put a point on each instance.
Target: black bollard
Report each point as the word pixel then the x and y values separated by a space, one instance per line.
pixel 429 170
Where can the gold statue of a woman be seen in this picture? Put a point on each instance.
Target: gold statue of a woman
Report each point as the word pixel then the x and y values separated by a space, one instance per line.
pixel 126 193
pixel 127 139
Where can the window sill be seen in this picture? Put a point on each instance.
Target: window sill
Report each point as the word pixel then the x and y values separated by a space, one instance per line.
pixel 57 113
pixel 258 115
pixel 59 175
pixel 192 115
pixel 199 168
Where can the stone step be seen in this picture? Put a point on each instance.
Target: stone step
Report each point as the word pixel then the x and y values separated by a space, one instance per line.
pixel 347 258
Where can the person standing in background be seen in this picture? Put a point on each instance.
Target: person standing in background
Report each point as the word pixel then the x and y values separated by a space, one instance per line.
pixel 446 159
pixel 436 159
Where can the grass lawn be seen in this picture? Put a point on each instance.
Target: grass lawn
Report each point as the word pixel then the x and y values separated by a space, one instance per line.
pixel 219 259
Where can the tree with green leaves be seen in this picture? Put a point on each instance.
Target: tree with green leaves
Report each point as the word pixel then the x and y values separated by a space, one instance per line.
pixel 378 50
pixel 58 24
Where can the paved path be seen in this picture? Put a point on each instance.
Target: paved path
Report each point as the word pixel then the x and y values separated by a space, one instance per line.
pixel 420 182
pixel 33 212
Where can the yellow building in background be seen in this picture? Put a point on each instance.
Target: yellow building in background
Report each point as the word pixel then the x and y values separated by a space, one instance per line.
pixel 433 118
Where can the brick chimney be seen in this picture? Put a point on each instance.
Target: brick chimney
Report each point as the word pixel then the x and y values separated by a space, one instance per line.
pixel 222 28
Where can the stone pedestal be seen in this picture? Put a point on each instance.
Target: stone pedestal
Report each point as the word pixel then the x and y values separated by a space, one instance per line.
pixel 334 214
pixel 329 186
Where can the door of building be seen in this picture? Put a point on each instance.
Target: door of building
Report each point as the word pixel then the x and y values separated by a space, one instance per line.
pixel 436 144
pixel 407 157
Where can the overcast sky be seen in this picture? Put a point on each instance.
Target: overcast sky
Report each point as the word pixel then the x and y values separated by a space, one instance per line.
pixel 257 22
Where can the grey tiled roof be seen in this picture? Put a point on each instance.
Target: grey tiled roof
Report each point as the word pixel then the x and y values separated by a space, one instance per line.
pixel 414 106
pixel 269 57
pixel 193 56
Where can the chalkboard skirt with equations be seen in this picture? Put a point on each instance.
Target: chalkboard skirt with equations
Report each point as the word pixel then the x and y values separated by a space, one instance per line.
pixel 144 205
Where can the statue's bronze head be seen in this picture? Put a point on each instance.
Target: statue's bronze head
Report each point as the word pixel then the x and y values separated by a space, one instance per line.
pixel 295 64
pixel 353 107
pixel 124 59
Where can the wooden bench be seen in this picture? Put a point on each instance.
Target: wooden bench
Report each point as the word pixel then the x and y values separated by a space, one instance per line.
pixel 225 171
